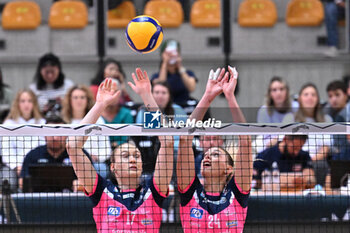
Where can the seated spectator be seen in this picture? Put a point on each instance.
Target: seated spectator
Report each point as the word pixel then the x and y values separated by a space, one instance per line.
pixel 54 152
pixel 111 69
pixel 294 164
pixel 337 99
pixel 76 104
pixel 24 110
pixel 6 96
pixel 181 81
pixel 277 106
pixel 277 102
pixel 117 114
pixel 318 145
pixel 50 83
pixel 310 111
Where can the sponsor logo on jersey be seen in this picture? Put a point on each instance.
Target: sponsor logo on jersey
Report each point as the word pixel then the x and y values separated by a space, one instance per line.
pixel 196 213
pixel 114 211
pixel 147 221
pixel 231 224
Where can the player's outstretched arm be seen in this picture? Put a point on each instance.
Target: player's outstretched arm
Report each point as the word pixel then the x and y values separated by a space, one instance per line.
pixel 164 164
pixel 185 163
pixel 142 87
pixel 243 169
pixel 107 94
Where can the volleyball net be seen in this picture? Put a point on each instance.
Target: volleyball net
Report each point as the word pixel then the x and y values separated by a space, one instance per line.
pixel 195 178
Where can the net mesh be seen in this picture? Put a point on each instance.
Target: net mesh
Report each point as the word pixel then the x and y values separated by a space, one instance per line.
pixel 236 178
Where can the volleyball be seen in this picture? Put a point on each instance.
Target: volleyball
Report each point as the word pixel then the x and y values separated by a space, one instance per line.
pixel 144 34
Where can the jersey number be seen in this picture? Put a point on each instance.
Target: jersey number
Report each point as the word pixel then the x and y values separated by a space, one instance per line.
pixel 130 216
pixel 213 220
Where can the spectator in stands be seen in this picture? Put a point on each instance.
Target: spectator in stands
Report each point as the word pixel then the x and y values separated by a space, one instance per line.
pixel 293 163
pixel 181 81
pixel 334 11
pixel 117 114
pixel 310 111
pixel 54 152
pixel 24 110
pixel 337 99
pixel 111 69
pixel 6 96
pixel 277 105
pixel 76 104
pixel 50 83
pixel 277 102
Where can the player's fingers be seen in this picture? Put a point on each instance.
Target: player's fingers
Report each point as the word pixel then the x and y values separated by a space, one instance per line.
pixel 139 74
pixel 216 74
pixel 145 75
pixel 131 85
pixel 211 74
pixel 221 75
pixel 225 78
pixel 134 77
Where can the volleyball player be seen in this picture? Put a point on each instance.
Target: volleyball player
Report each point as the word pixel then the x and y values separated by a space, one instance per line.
pixel 130 206
pixel 219 204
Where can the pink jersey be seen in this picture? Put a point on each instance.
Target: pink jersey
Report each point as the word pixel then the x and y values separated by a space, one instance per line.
pixel 127 211
pixel 203 212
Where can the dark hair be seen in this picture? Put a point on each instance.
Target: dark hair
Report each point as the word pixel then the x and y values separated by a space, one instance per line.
pixel 335 85
pixel 346 80
pixel 2 86
pixel 100 75
pixel 54 119
pixel 295 137
pixel 169 110
pixel 48 59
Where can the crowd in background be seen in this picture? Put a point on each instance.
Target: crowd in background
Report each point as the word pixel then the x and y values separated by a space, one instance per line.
pixel 53 98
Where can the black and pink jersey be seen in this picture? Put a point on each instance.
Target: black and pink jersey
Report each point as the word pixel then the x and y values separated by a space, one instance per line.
pixel 203 212
pixel 126 211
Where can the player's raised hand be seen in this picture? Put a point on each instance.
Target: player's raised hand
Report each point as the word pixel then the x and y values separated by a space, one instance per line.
pixel 229 84
pixel 108 92
pixel 214 84
pixel 142 84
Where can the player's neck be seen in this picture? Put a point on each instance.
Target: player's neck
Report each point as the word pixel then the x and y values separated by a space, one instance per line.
pixel 214 184
pixel 129 183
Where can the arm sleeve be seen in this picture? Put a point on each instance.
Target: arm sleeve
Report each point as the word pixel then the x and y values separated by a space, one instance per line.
pixel 307 161
pixel 25 166
pixel 157 195
pixel 97 191
pixel 241 196
pixel 260 164
pixel 191 74
pixel 187 194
